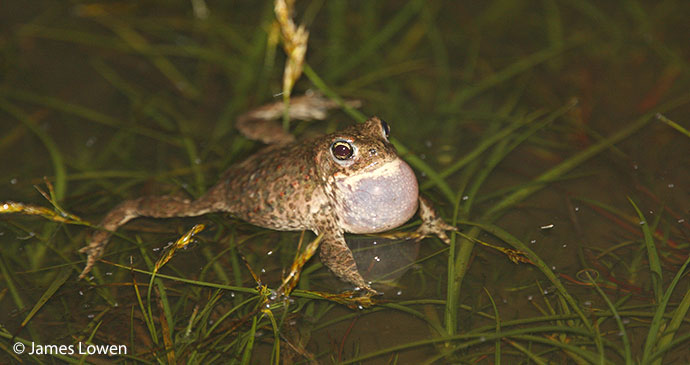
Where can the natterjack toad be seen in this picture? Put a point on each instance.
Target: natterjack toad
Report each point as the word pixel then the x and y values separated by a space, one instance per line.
pixel 349 181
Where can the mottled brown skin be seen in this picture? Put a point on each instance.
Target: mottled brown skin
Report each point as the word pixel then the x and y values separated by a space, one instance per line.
pixel 292 186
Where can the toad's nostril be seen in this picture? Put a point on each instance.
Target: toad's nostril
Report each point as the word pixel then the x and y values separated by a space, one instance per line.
pixel 372 152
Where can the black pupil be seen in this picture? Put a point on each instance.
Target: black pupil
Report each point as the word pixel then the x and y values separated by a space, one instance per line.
pixel 386 128
pixel 342 150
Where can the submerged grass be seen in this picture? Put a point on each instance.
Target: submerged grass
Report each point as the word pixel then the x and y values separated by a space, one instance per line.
pixel 483 112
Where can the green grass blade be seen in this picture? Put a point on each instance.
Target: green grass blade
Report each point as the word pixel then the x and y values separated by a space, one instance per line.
pixel 465 341
pixel 88 114
pixel 247 354
pixel 497 350
pixel 57 282
pixel 275 356
pixel 48 142
pixel 372 45
pixel 578 159
pixel 673 124
pixel 657 321
pixel 520 66
pixel 145 314
pixel 617 317
pixel 679 315
pixel 682 340
pixel 532 356
pixel 142 46
pixel 536 260
pixel 477 151
pixel 652 254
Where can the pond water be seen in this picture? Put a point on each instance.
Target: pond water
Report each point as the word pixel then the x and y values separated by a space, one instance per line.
pixel 531 125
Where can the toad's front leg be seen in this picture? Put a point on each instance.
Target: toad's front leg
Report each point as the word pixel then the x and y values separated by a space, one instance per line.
pixel 432 224
pixel 337 256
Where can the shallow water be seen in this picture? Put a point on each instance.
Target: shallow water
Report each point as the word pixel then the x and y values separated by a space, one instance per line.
pixel 117 100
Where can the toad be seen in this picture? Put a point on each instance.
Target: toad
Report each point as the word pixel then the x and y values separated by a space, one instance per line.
pixel 349 181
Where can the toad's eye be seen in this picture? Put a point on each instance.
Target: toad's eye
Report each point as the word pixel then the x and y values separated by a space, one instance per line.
pixel 342 150
pixel 386 129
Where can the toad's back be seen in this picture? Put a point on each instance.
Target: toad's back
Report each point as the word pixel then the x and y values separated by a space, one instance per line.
pixel 277 188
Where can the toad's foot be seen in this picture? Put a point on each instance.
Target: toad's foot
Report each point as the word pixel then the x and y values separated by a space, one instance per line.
pixel 432 224
pixel 94 250
pixel 260 125
pixel 337 256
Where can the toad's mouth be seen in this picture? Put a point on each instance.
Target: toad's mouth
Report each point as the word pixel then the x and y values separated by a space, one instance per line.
pixel 377 199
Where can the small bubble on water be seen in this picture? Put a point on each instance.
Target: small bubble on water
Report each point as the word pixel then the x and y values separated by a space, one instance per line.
pixel 81 293
pixel 13 181
pixel 671 186
pixel 399 292
pixel 547 226
pixel 529 297
pixel 533 241
pixel 91 141
pixel 91 316
pixel 565 245
pixel 587 303
pixel 375 243
pixel 269 253
pixel 360 307
pixel 263 271
pixel 681 220
pixel 643 223
pixel 482 339
pixel 466 197
pixel 108 273
pixel 378 259
pixel 197 161
pixel 553 268
pixel 577 209
pixel 210 321
pixel 232 294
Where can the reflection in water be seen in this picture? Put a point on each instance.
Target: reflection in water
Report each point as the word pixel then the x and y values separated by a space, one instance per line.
pixel 382 259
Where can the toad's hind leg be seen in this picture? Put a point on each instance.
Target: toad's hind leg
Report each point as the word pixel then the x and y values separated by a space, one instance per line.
pixel 149 206
pixel 337 256
pixel 260 124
